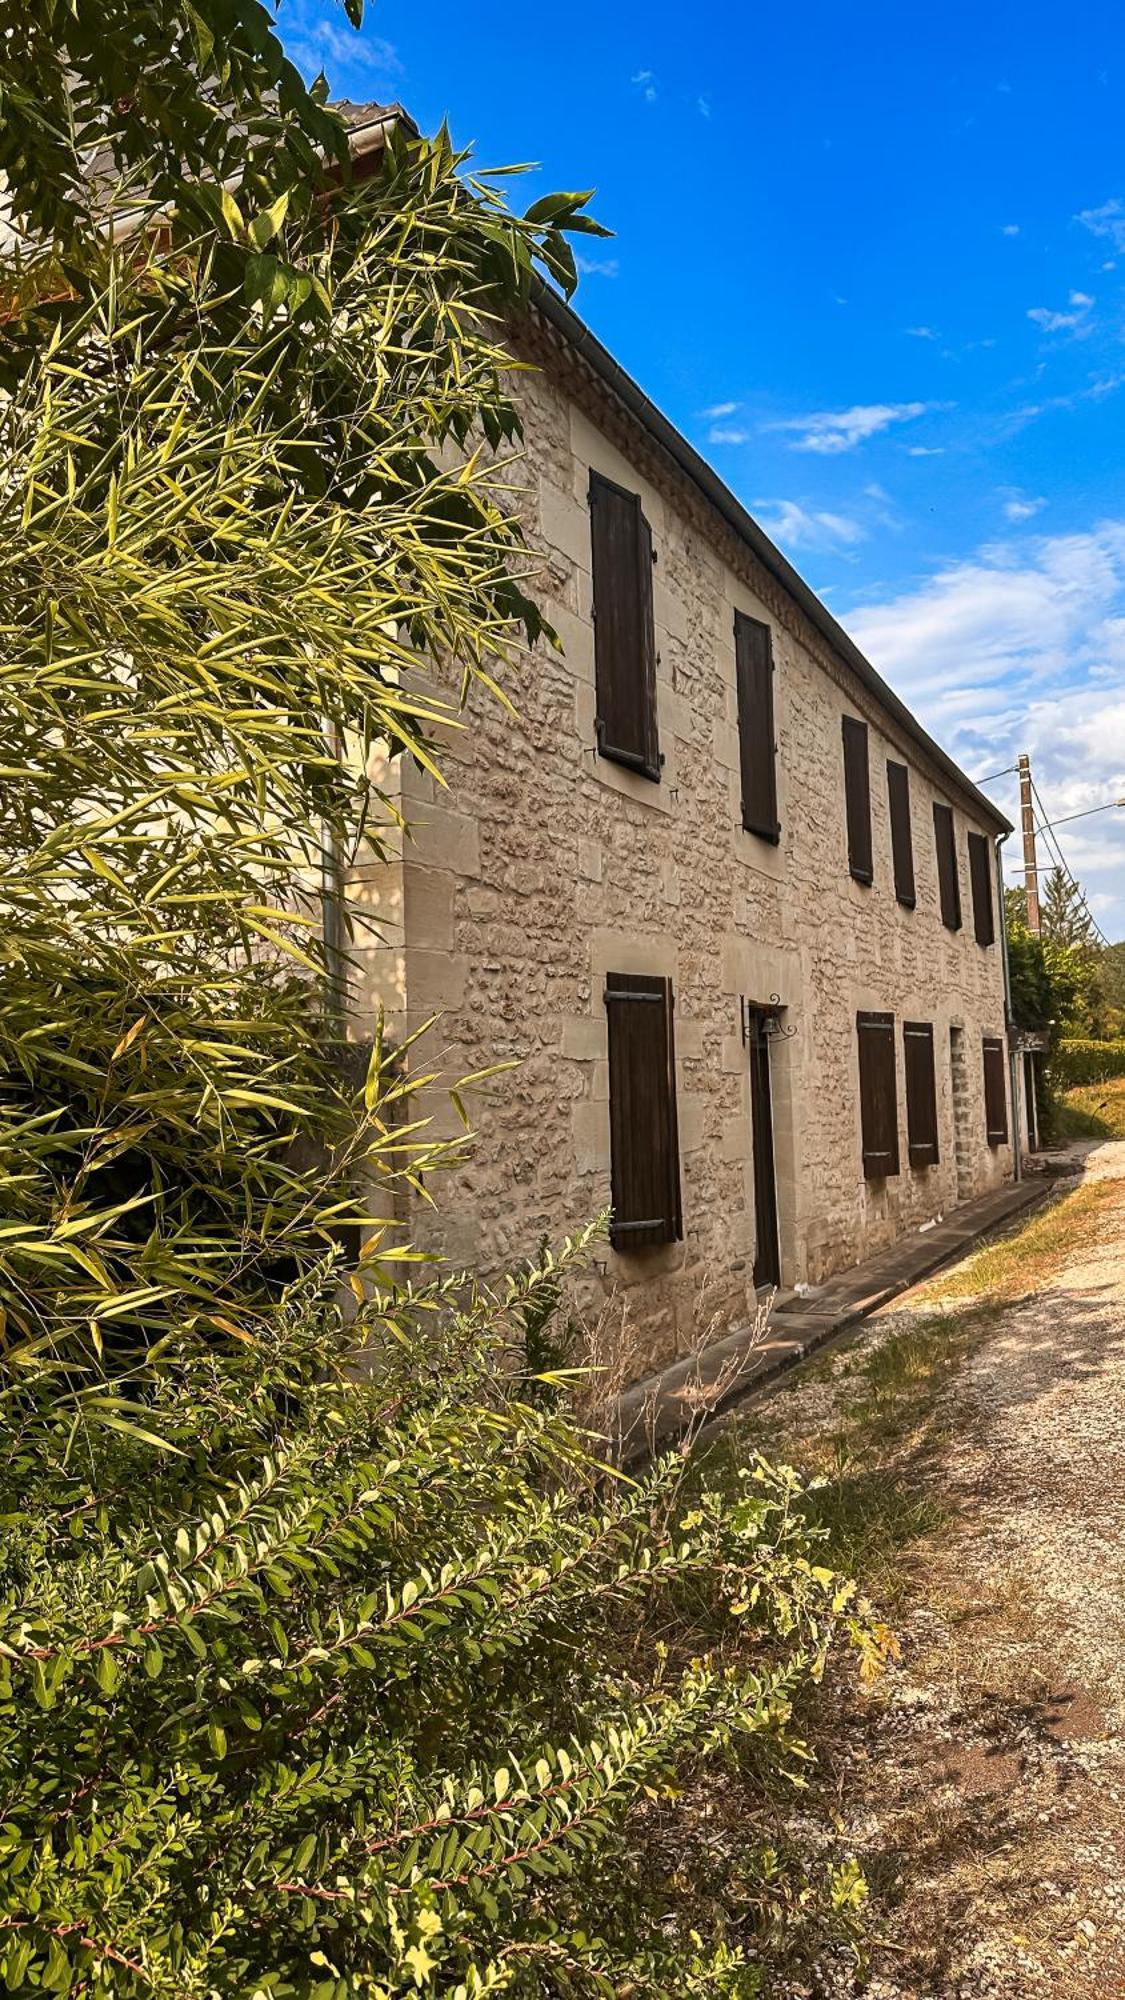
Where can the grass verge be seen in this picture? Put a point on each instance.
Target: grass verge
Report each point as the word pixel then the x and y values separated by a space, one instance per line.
pixel 1093 1111
pixel 867 1421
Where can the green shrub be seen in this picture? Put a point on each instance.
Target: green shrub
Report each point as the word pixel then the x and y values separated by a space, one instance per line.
pixel 369 1683
pixel 1077 1062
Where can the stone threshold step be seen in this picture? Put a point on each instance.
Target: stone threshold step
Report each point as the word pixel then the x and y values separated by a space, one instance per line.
pixel 664 1406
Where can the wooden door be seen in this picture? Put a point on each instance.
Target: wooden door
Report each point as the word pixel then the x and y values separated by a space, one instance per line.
pixel 767 1260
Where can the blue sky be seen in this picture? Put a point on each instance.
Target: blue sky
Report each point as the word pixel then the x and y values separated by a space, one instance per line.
pixel 872 262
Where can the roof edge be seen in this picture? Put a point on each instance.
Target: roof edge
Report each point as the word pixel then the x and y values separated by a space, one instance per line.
pixel 365 138
pixel 617 379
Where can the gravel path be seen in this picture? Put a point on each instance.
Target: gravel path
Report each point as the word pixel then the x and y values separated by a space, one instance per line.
pixel 982 1783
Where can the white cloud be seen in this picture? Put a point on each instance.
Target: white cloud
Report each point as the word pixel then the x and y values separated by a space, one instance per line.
pixel 1077 320
pixel 1108 220
pixel 725 434
pixel 925 451
pixel 316 44
pixel 832 431
pixel 797 527
pixel 720 410
pixel 921 332
pixel 645 82
pixel 703 107
pixel 1010 229
pixel 590 267
pixel 1022 647
pixel 1022 506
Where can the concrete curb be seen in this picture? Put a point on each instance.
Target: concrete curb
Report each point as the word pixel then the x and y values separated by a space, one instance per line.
pixel 662 1407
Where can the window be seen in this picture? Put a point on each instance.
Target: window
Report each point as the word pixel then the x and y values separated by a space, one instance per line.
pixel 753 664
pixel 995 1092
pixel 902 839
pixel 624 634
pixel 857 799
pixel 949 888
pixel 878 1096
pixel 921 1093
pixel 980 877
pixel 644 1148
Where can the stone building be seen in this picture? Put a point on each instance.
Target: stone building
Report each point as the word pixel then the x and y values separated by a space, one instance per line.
pixel 727 906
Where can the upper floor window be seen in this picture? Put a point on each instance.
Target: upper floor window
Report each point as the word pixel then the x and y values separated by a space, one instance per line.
pixel 980 877
pixel 857 799
pixel 753 657
pixel 624 632
pixel 949 887
pixel 902 838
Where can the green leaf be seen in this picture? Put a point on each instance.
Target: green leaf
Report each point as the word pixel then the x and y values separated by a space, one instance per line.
pixel 268 221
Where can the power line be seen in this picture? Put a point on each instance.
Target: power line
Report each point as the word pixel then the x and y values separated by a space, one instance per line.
pixel 1046 830
pixel 1067 818
pixel 1005 773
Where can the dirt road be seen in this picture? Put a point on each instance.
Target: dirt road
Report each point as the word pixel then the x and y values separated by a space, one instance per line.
pixel 982 1783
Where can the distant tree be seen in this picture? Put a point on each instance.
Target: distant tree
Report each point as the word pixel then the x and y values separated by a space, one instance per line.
pixel 1052 984
pixel 1063 915
pixel 1113 984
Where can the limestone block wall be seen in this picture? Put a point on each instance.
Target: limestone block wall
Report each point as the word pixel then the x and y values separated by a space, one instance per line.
pixel 544 867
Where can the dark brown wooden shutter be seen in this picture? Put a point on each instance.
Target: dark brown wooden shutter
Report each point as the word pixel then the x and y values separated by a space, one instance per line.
pixel 624 634
pixel 878 1094
pixel 921 1093
pixel 995 1092
pixel 644 1148
pixel 753 654
pixel 857 798
pixel 980 876
pixel 949 888
pixel 902 838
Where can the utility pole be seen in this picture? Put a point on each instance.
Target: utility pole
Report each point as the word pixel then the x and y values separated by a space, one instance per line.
pixel 1027 823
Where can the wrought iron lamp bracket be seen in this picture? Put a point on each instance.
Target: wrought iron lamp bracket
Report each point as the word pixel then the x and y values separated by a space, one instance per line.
pixel 770 1013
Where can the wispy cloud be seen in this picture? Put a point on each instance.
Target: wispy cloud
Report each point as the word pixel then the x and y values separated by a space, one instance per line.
pixel 728 434
pixel 1021 506
pixel 797 527
pixel 925 451
pixel 645 82
pixel 703 106
pixel 1022 646
pixel 593 267
pixel 1101 385
pixel 720 410
pixel 1108 220
pixel 1076 320
pixel 316 44
pixel 1010 229
pixel 921 333
pixel 833 431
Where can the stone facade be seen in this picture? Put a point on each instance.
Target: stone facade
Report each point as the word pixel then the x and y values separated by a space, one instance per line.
pixel 544 867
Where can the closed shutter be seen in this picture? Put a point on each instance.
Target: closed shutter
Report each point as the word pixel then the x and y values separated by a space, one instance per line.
pixel 921 1093
pixel 624 634
pixel 753 655
pixel 857 799
pixel 644 1149
pixel 995 1092
pixel 949 888
pixel 980 876
pixel 902 838
pixel 878 1095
